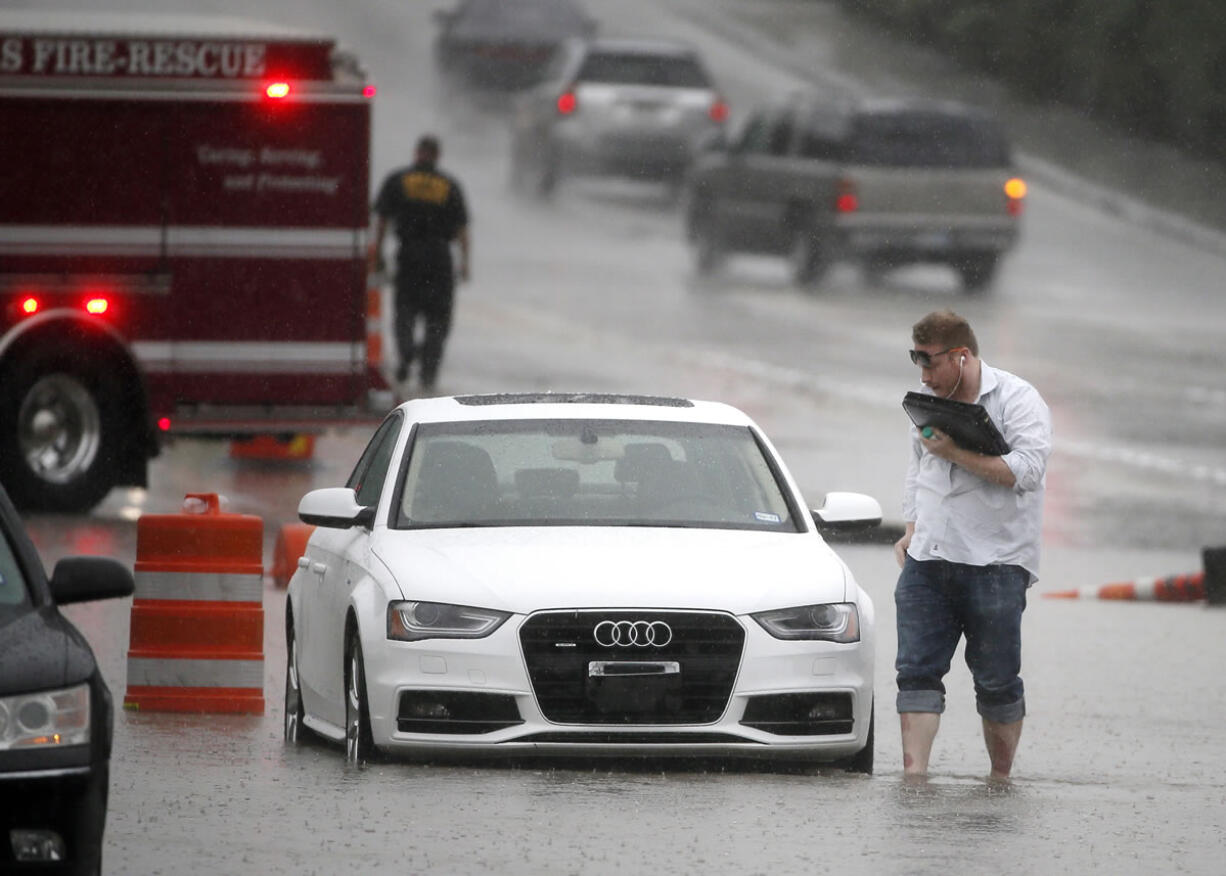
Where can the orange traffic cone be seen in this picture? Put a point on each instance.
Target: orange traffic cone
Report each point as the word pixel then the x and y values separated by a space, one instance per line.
pixel 274 449
pixel 1174 588
pixel 197 633
pixel 291 544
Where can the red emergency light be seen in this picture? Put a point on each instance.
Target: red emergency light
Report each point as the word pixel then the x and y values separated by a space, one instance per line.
pixel 368 91
pixel 97 306
pixel 277 90
pixel 164 423
pixel 567 103
pixel 29 306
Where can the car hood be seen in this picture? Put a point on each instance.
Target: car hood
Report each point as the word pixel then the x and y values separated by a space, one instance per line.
pixel 528 569
pixel 41 651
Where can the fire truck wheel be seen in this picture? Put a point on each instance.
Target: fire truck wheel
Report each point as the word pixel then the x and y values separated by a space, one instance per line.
pixel 60 441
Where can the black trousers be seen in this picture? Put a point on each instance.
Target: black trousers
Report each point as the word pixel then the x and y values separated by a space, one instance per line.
pixel 425 294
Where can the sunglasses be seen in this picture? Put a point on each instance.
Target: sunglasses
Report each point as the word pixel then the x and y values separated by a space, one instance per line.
pixel 924 360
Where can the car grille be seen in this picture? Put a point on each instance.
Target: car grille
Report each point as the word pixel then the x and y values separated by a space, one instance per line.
pixel 703 656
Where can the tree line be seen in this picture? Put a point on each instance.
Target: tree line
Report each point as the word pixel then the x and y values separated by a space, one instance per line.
pixel 1154 67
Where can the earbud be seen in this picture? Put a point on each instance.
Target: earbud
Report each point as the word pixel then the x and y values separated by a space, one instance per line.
pixel 962 361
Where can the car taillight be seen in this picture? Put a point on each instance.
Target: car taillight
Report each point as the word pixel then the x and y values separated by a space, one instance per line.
pixel 718 111
pixel 1015 192
pixel 845 199
pixel 567 103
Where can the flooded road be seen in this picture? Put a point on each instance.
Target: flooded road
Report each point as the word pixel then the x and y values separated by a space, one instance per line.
pixel 1120 769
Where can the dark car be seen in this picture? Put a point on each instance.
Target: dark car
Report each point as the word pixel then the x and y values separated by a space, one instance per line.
pixel 883 182
pixel 55 709
pixel 505 44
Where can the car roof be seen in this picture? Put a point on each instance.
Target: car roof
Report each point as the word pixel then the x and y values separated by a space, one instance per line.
pixel 842 104
pixel 640 46
pixel 578 405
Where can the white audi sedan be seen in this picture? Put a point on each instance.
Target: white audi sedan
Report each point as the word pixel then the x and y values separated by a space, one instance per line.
pixel 582 575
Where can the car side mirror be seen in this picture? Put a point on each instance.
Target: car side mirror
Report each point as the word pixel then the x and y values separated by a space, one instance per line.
pixel 847 512
pixel 82 579
pixel 335 508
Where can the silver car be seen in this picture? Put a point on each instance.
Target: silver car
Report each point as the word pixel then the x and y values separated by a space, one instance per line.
pixel 616 107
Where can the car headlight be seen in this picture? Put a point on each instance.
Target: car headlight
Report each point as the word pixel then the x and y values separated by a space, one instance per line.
pixel 414 621
pixel 45 719
pixel 831 622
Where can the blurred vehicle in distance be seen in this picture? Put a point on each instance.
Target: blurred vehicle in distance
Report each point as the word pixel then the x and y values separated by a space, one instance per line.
pixel 883 182
pixel 637 108
pixel 55 709
pixel 504 44
pixel 579 575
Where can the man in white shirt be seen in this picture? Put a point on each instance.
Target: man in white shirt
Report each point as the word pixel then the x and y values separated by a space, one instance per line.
pixel 971 546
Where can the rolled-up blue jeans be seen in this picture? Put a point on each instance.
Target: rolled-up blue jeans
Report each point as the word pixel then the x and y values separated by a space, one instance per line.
pixel 938 602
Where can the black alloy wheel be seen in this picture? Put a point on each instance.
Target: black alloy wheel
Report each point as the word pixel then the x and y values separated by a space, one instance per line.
pixel 359 743
pixel 295 730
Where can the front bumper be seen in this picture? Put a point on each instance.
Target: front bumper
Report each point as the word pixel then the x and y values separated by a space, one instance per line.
pixel 785 700
pixel 68 801
pixel 927 239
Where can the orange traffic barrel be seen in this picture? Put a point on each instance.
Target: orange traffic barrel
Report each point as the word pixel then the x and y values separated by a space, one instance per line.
pixel 374 325
pixel 197 633
pixel 1172 588
pixel 273 448
pixel 290 545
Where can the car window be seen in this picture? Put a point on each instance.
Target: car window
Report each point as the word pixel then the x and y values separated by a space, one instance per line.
pixel 13 589
pixel 926 139
pixel 637 68
pixel 591 472
pixel 371 471
pixel 766 133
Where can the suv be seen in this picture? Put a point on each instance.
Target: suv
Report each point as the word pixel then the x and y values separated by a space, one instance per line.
pixel 881 182
pixel 634 108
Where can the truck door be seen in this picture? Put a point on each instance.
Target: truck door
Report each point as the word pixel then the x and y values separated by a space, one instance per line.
pixel 753 205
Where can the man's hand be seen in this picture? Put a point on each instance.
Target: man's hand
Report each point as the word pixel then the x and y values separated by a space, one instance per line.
pixel 938 443
pixel 900 546
pixel 991 468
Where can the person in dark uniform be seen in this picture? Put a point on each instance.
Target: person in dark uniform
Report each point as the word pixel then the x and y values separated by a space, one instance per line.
pixel 429 213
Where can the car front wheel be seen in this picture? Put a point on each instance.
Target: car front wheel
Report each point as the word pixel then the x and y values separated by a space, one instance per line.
pixel 359 743
pixel 862 761
pixel 294 713
pixel 809 257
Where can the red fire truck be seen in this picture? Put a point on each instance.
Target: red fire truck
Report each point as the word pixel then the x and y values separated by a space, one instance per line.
pixel 183 216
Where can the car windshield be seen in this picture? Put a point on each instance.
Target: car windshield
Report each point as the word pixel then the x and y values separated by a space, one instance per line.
pixel 634 68
pixel 13 591
pixel 921 139
pixel 591 473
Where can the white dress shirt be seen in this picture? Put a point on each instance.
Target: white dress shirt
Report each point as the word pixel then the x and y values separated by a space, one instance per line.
pixel 962 518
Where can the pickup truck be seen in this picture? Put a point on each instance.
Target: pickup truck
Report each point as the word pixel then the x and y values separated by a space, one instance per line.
pixel 882 182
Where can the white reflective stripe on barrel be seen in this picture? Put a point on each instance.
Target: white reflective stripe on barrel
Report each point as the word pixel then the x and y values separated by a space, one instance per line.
pixel 203 586
pixel 173 672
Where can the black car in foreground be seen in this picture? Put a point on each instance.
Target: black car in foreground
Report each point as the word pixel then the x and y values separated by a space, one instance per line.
pixel 55 709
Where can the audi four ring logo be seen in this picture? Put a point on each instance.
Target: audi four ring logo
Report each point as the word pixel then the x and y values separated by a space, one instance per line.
pixel 627 634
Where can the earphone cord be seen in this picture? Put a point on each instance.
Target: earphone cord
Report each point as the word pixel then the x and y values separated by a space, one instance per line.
pixel 961 365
